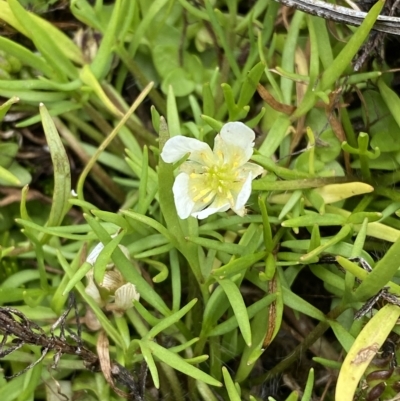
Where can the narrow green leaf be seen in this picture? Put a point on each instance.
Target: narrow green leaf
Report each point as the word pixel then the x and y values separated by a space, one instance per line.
pixel 88 78
pixel 56 109
pixel 205 391
pixel 229 101
pixel 104 257
pixel 275 136
pixel 40 34
pixel 145 314
pixel 53 230
pixel 6 106
pixel 297 303
pixel 25 56
pixel 150 222
pixel 359 242
pixel 213 123
pixel 113 218
pixel 328 363
pixel 155 118
pixel 382 273
pixel 358 218
pixel 362 274
pixel 208 101
pixel 221 35
pixel 170 320
pixel 259 327
pixel 232 323
pixel 62 172
pixel 67 46
pixel 102 61
pixel 182 347
pixel 197 359
pixel 310 219
pixel 324 45
pixel 239 308
pixel 309 386
pixel 328 277
pixel 148 357
pixel 343 59
pixel 142 206
pixel 314 53
pixel 214 309
pixel 60 296
pixel 174 125
pixel 233 249
pixel 253 122
pixel 249 86
pixel 289 51
pixel 83 12
pixel 176 279
pixel 343 336
pixel 194 11
pixel 8 177
pixel 33 96
pixel 178 363
pixel 344 232
pixel 391 99
pixel 237 265
pixel 161 267
pixel 77 277
pixel 230 386
pixel 147 243
pixel 145 23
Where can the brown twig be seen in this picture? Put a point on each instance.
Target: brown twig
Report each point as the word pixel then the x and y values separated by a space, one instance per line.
pixel 14 323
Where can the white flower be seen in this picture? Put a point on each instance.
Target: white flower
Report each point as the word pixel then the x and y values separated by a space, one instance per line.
pixel 212 181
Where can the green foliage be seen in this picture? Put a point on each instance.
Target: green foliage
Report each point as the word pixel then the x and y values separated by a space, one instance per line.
pixel 199 67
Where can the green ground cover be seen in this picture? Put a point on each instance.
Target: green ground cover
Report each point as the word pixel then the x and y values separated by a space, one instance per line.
pixel 196 274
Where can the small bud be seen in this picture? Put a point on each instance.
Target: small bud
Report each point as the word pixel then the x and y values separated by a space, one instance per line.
pixel 112 280
pixel 124 297
pixel 92 290
pixel 91 321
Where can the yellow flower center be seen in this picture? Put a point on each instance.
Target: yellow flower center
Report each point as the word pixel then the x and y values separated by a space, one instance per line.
pixel 216 180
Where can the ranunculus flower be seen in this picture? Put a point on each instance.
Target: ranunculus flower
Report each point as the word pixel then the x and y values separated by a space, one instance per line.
pixel 212 181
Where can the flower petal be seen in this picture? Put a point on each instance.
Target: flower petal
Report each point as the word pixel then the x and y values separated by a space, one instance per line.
pixel 112 280
pixel 192 167
pixel 213 181
pixel 92 290
pixel 125 295
pixel 237 142
pixel 252 168
pixel 243 196
pixel 178 146
pixel 211 210
pixel 94 254
pixel 183 202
